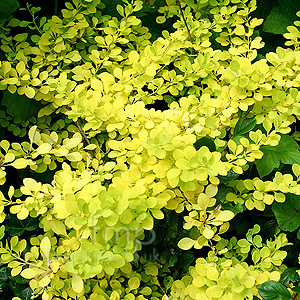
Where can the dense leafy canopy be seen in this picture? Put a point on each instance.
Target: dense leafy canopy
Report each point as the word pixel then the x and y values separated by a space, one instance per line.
pixel 149 160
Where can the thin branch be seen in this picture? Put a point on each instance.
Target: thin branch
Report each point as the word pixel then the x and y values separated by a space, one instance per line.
pixel 82 133
pixel 184 20
pixel 227 144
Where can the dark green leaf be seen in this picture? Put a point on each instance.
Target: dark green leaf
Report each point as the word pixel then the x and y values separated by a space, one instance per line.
pixel 288 212
pixel 205 142
pixel 173 260
pixel 186 259
pixel 286 152
pixel 296 289
pixel 7 7
pixel 4 274
pixel 289 275
pixel 26 294
pixel 236 208
pixel 280 17
pixel 169 99
pixel 272 290
pixel 18 279
pixel 222 191
pixel 244 125
pixel 19 106
pixel 18 227
pixel 168 282
pixel 231 175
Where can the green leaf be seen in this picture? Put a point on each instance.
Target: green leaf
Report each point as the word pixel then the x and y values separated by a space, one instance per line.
pixel 26 294
pixel 279 18
pixel 7 7
pixel 288 213
pixel 231 175
pixel 205 142
pixel 244 125
pixel 4 274
pixel 286 152
pixel 167 283
pixel 16 227
pixel 173 260
pixel 19 106
pixel 235 208
pixel 186 259
pixel 296 289
pixel 289 275
pixel 272 290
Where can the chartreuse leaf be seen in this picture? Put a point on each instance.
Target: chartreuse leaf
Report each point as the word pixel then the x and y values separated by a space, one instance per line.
pixel 133 283
pixel 186 243
pixel 58 227
pixel 272 290
pixel 286 152
pixel 31 272
pixel 45 247
pixel 77 284
pixel 288 213
pixel 20 163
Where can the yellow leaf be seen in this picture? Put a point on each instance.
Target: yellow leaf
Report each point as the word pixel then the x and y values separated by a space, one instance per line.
pixel 212 273
pixel 20 163
pixel 11 191
pixel 9 157
pixel 44 282
pixel 214 292
pixel 77 284
pixel 44 148
pixel 133 283
pixel 16 271
pixel 23 213
pixel 30 92
pixel 31 273
pixel 211 190
pixel 54 266
pixel 45 247
pixel 203 201
pixel 4 144
pixel 225 216
pixel 208 233
pixel 74 156
pixel 186 243
pixel 20 67
pixel 58 227
pixel 133 57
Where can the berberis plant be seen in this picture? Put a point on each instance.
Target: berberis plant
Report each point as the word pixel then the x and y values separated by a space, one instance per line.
pixel 147 161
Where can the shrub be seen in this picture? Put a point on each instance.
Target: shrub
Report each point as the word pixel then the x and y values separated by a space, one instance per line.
pixel 138 164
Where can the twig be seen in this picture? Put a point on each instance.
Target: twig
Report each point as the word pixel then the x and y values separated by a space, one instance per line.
pixel 227 144
pixel 82 133
pixel 184 20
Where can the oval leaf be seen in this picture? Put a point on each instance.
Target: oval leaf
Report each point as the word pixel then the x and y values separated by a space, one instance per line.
pixel 271 289
pixel 77 284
